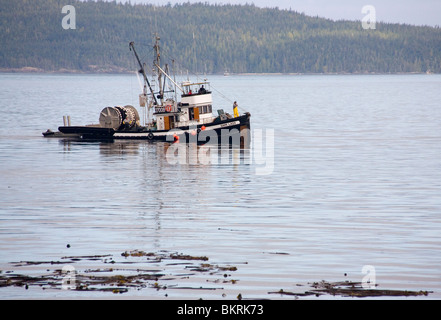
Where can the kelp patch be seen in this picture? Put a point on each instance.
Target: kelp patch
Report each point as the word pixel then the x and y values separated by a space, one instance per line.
pixel 131 270
pixel 348 289
pixel 163 271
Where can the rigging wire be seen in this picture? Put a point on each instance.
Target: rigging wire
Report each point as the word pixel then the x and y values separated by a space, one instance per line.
pixel 154 26
pixel 165 53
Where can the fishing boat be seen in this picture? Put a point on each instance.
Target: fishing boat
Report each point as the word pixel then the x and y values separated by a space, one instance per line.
pixel 193 118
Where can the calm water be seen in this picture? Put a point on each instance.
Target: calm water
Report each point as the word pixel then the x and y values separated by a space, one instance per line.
pixel 355 180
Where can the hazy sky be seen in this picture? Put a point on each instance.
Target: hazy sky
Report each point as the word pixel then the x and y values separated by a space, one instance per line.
pixel 418 12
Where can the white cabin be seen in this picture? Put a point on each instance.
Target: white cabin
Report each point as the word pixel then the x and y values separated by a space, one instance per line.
pixel 195 108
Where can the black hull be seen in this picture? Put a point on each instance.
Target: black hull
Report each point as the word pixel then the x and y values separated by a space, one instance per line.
pixel 229 131
pixel 85 132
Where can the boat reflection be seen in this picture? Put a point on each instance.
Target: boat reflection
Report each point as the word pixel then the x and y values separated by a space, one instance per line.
pixel 167 152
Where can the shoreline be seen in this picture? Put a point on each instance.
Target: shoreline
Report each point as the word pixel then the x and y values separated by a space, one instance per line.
pixel 32 70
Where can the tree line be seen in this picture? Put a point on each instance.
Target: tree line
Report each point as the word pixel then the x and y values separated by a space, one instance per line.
pixel 207 38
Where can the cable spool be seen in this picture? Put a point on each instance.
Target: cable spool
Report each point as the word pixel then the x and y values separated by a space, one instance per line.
pixel 119 117
pixel 111 117
pixel 132 114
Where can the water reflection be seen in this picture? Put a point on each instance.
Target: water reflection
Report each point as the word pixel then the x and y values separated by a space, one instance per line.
pixel 170 153
pixel 150 184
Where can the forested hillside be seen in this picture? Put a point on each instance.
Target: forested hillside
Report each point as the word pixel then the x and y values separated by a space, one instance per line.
pixel 207 38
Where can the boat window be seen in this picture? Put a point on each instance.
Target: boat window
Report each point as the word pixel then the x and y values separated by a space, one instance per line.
pixel 195 88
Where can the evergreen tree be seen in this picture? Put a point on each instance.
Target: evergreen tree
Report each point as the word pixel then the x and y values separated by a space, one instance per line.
pixel 207 38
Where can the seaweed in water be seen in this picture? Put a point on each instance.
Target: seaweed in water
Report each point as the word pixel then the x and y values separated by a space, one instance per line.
pixel 109 279
pixel 350 289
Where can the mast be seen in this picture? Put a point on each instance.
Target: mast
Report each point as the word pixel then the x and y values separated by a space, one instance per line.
pixel 174 79
pixel 132 46
pixel 158 65
pixel 169 78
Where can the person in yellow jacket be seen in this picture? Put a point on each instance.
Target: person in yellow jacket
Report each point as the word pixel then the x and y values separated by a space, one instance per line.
pixel 236 112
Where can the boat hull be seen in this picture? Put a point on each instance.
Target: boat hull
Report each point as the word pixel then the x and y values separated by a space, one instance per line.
pixel 231 131
pixel 88 132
